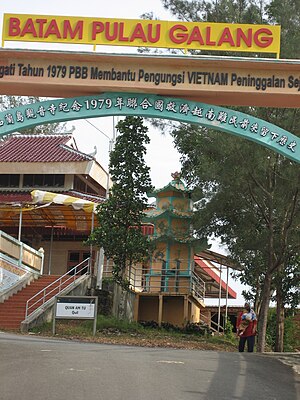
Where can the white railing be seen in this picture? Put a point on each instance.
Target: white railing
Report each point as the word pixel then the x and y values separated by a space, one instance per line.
pixel 10 273
pixel 41 298
pixel 197 286
pixel 212 325
pixel 162 281
pixel 21 254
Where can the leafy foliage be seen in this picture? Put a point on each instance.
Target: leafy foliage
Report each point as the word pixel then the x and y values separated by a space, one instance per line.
pixel 228 331
pixel 231 11
pixel 247 196
pixel 290 340
pixel 286 13
pixel 120 217
pixel 287 280
pixel 197 328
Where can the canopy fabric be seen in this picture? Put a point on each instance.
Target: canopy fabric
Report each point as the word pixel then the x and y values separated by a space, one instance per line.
pixel 42 197
pixel 42 210
pixel 47 215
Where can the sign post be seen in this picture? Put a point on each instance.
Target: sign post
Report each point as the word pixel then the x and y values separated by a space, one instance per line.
pixel 76 307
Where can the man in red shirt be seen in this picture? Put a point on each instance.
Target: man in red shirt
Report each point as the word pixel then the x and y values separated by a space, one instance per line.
pixel 249 333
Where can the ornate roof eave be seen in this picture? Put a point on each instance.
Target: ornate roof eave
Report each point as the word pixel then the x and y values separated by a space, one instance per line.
pixel 176 185
pixel 198 244
pixel 174 213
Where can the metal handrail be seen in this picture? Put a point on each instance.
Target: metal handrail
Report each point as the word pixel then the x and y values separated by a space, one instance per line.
pixel 189 283
pixel 214 326
pixel 158 281
pixel 198 286
pixel 72 273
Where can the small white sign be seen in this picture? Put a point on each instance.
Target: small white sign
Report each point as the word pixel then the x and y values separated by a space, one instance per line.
pixel 75 310
pixel 76 307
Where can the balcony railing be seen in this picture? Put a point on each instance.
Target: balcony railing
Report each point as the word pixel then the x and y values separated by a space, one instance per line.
pixel 20 254
pixel 161 280
pixel 18 262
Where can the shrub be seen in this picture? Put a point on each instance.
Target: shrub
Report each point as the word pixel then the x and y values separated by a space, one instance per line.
pixel 197 328
pixel 149 324
pixel 289 338
pixel 170 327
pixel 228 331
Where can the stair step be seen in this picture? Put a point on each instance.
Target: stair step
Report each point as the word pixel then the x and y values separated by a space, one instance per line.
pixel 12 316
pixel 12 310
pixel 22 300
pixel 11 320
pixel 35 288
pixel 10 325
pixel 23 295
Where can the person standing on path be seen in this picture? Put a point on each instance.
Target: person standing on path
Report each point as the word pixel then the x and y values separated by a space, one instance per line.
pixel 249 333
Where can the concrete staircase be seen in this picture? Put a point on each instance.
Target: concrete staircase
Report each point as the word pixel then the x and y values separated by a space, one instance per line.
pixel 12 311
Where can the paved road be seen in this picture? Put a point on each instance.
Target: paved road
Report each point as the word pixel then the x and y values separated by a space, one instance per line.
pixel 33 368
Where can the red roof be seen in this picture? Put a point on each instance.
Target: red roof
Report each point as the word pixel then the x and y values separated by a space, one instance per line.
pixel 41 148
pixel 207 268
pixel 15 197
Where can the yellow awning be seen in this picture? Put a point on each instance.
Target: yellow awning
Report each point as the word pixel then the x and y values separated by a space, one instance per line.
pixel 42 197
pixel 49 209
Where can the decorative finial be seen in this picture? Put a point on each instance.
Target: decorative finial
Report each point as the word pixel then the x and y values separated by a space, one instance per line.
pixel 176 176
pixel 94 152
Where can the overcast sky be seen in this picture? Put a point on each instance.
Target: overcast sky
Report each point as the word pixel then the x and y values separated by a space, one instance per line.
pixel 162 158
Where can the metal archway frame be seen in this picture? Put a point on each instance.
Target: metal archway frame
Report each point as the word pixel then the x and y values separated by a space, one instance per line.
pixel 152 106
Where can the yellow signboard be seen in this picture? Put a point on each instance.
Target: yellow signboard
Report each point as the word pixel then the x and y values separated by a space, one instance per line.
pixel 142 33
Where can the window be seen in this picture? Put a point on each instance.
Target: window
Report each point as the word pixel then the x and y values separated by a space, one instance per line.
pixel 59 180
pixel 9 180
pixel 87 185
pixel 44 180
pixel 76 257
pixel 80 185
pixel 28 181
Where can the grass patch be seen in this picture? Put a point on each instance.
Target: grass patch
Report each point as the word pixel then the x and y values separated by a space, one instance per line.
pixel 113 331
pixel 104 322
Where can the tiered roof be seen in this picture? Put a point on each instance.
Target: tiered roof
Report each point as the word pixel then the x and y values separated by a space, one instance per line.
pixel 175 185
pixel 168 235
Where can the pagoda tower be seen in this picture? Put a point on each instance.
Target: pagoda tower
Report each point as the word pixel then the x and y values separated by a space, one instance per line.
pixel 172 261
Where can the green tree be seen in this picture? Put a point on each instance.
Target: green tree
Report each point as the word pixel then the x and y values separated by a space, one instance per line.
pixel 120 217
pixel 286 13
pixel 290 339
pixel 251 201
pixel 250 197
pixel 10 102
pixel 286 284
